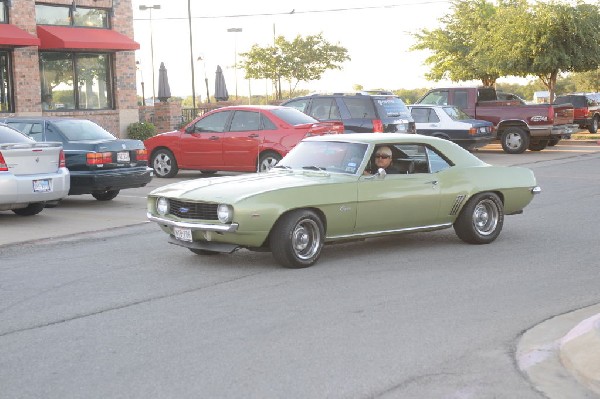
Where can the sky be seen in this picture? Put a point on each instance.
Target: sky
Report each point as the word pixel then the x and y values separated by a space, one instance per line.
pixel 376 33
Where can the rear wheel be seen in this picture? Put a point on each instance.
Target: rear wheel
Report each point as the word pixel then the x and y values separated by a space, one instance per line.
pixel 105 195
pixel 30 210
pixel 515 140
pixel 481 219
pixel 164 163
pixel 538 145
pixel 594 125
pixel 297 239
pixel 267 160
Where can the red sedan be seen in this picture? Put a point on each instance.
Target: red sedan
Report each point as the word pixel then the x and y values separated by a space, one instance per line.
pixel 236 138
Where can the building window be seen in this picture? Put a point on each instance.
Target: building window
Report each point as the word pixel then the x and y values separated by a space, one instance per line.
pixel 70 16
pixel 6 100
pixel 76 81
pixel 3 12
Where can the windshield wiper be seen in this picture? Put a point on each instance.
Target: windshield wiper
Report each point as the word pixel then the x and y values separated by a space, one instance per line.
pixel 313 168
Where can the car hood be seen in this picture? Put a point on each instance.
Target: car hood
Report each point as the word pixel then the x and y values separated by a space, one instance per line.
pixel 229 189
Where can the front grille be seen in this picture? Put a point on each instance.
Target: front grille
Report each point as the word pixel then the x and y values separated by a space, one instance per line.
pixel 193 210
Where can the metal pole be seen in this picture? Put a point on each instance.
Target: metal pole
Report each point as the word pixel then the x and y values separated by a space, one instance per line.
pixel 150 8
pixel 235 30
pixel 192 57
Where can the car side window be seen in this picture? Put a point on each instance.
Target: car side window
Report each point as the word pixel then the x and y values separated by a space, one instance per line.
pixel 266 123
pixel 36 132
pixel 360 107
pixel 212 123
pixel 420 115
pixel 460 99
pixel 244 121
pixel 437 97
pixel 323 109
pixel 51 135
pixel 301 104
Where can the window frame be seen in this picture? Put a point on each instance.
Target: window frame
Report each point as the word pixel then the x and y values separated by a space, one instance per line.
pixel 7 99
pixel 71 16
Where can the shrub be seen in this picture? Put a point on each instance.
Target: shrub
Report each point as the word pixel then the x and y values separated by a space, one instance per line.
pixel 141 130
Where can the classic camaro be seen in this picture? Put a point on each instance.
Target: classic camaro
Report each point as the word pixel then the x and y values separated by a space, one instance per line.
pixel 321 192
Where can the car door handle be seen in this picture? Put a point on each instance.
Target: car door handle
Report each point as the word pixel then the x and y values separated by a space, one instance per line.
pixel 213 138
pixel 253 136
pixel 432 182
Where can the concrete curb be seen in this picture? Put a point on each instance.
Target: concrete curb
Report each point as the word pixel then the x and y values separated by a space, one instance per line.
pixel 580 352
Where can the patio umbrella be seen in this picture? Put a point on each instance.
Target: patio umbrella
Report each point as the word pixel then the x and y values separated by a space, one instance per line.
pixel 220 87
pixel 164 91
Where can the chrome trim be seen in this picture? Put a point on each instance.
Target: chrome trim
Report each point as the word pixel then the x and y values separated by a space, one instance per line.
pixel 536 190
pixel 225 228
pixel 405 230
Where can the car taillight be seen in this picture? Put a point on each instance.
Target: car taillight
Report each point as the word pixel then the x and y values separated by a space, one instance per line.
pixel 61 159
pixel 141 155
pixel 377 126
pixel 98 158
pixel 3 165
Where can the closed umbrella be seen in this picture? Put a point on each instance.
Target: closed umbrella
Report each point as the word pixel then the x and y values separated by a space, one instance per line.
pixel 220 87
pixel 164 91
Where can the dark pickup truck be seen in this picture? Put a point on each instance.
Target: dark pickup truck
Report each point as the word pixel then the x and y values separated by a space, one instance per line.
pixel 518 127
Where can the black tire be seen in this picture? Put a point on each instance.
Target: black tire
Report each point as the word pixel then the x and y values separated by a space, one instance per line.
pixel 105 195
pixel 267 160
pixel 203 252
pixel 538 145
pixel 31 209
pixel 164 163
pixel 208 172
pixel 593 128
pixel 515 140
pixel 297 239
pixel 553 141
pixel 481 219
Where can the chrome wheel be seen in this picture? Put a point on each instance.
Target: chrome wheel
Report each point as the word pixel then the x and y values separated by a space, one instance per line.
pixel 481 219
pixel 267 161
pixel 485 217
pixel 164 164
pixel 297 238
pixel 306 239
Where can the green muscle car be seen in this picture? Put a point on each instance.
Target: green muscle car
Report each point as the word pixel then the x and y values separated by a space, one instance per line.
pixel 322 192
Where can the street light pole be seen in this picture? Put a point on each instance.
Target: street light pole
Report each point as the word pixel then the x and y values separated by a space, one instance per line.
pixel 235 30
pixel 192 57
pixel 201 58
pixel 139 67
pixel 150 8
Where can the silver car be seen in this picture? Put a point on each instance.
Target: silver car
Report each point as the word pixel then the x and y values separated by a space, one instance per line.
pixel 32 175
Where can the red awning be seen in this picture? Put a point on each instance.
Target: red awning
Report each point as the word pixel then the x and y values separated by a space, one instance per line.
pixel 10 35
pixel 62 37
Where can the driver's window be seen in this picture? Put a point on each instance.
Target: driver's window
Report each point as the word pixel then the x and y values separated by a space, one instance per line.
pixel 212 123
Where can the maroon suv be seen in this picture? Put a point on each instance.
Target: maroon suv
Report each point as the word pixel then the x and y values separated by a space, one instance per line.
pixel 586 109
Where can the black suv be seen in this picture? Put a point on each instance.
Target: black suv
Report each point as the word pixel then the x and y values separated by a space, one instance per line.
pixel 362 112
pixel 586 109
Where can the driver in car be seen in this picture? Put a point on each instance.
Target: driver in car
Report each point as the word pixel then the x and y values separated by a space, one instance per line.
pixel 383 160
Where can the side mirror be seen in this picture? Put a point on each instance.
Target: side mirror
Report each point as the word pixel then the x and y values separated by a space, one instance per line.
pixel 189 129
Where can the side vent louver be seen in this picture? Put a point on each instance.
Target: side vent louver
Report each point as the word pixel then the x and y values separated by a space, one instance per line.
pixel 459 200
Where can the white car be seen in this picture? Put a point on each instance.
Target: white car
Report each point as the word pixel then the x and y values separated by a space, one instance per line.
pixel 32 174
pixel 451 123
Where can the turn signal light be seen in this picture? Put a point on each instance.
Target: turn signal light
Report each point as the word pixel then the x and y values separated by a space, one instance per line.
pixel 98 158
pixel 141 155
pixel 61 160
pixel 473 131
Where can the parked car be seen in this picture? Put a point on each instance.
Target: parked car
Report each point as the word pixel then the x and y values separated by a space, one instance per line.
pixel 319 194
pixel 236 138
pixel 586 109
pixel 518 127
pixel 32 174
pixel 98 162
pixel 451 123
pixel 362 112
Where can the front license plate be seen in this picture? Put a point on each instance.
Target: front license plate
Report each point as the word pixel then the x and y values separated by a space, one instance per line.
pixel 41 186
pixel 182 234
pixel 122 156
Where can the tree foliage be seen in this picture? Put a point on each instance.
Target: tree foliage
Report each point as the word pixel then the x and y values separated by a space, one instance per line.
pixel 302 59
pixel 452 45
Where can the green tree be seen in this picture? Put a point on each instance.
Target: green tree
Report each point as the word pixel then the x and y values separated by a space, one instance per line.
pixel 302 59
pixel 587 81
pixel 453 44
pixel 544 40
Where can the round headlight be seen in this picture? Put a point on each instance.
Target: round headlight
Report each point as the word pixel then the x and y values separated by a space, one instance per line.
pixel 224 213
pixel 162 206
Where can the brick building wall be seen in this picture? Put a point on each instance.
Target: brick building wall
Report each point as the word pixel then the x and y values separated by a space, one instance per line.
pixel 26 70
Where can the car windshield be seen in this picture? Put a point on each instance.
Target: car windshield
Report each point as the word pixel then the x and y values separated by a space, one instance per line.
pixel 82 130
pixel 391 106
pixel 9 135
pixel 293 116
pixel 330 156
pixel 456 114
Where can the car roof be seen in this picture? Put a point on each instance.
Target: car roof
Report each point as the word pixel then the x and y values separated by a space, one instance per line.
pixel 41 118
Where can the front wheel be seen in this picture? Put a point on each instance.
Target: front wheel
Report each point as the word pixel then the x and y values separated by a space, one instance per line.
pixel 30 210
pixel 267 160
pixel 594 125
pixel 164 163
pixel 297 239
pixel 105 195
pixel 515 140
pixel 481 220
